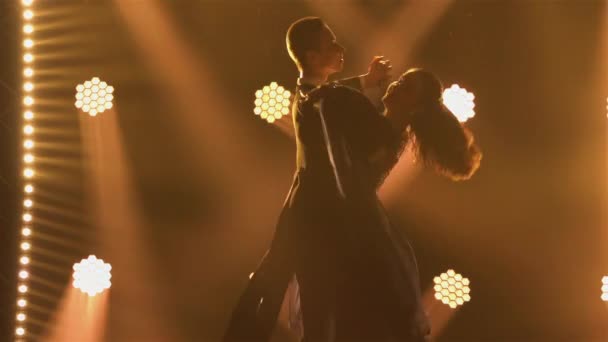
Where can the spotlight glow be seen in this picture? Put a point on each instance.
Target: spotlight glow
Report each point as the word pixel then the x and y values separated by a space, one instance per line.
pixel 28 86
pixel 28 14
pixel 452 289
pixel 28 58
pixel 28 144
pixel 26 246
pixel 27 217
pixel 27 2
pixel 28 28
pixel 605 289
pixel 28 129
pixel 22 303
pixel 28 101
pixel 94 96
pixel 28 158
pixel 92 275
pixel 23 274
pixel 28 72
pixel 20 331
pixel 21 317
pixel 460 102
pixel 24 260
pixel 29 188
pixel 272 102
pixel 28 173
pixel 28 43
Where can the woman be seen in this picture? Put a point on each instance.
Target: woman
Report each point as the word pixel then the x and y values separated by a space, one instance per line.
pixel 357 275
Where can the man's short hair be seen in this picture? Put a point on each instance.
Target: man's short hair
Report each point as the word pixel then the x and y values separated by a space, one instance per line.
pixel 302 36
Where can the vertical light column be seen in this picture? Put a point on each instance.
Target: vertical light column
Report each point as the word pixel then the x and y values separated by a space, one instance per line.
pixel 28 167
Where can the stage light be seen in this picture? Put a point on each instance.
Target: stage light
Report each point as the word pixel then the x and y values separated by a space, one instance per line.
pixel 605 288
pixel 28 129
pixel 29 188
pixel 92 275
pixel 452 289
pixel 21 317
pixel 26 231
pixel 28 101
pixel 28 28
pixel 28 203
pixel 23 274
pixel 460 102
pixel 20 331
pixel 28 173
pixel 28 72
pixel 28 144
pixel 24 260
pixel 28 43
pixel 272 102
pixel 22 288
pixel 94 96
pixel 28 58
pixel 28 14
pixel 28 86
pixel 28 158
pixel 26 246
pixel 27 217
pixel 22 303
pixel 27 2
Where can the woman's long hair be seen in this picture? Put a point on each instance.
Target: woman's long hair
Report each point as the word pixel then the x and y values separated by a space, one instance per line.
pixel 440 140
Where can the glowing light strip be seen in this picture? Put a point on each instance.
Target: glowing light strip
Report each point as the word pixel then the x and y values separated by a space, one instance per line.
pixel 28 169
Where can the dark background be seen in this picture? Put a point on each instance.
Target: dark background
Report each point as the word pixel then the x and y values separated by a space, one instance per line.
pixel 529 229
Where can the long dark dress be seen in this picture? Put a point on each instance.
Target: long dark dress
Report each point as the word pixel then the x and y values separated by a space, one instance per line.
pixel 357 277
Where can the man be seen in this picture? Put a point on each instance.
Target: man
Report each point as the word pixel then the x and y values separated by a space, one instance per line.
pixel 313 48
pixel 311 210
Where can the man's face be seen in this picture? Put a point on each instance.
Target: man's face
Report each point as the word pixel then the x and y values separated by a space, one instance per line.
pixel 329 58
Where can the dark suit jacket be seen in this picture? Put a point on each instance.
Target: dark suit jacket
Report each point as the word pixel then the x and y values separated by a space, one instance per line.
pixel 332 209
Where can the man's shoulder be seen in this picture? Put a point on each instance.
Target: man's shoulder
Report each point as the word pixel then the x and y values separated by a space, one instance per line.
pixel 344 93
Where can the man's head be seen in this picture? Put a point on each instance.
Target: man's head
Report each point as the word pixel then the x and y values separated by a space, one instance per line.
pixel 313 47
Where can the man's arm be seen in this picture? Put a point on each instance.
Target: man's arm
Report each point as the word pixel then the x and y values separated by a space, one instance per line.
pixel 372 84
pixel 354 82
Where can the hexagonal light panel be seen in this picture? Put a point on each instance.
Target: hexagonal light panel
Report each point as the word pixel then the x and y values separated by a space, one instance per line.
pixel 94 96
pixel 92 275
pixel 605 288
pixel 272 102
pixel 452 289
pixel 460 102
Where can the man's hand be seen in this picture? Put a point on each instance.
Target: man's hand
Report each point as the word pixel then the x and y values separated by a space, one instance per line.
pixel 378 73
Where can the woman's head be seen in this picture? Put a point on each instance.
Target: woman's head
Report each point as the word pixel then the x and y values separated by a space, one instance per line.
pixel 415 88
pixel 440 140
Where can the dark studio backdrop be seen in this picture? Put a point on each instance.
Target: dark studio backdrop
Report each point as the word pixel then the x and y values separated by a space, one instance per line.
pixel 529 230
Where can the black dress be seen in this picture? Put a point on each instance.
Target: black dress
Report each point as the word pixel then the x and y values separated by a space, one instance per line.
pixel 357 275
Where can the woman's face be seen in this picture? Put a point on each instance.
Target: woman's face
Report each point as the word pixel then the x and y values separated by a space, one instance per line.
pixel 400 96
